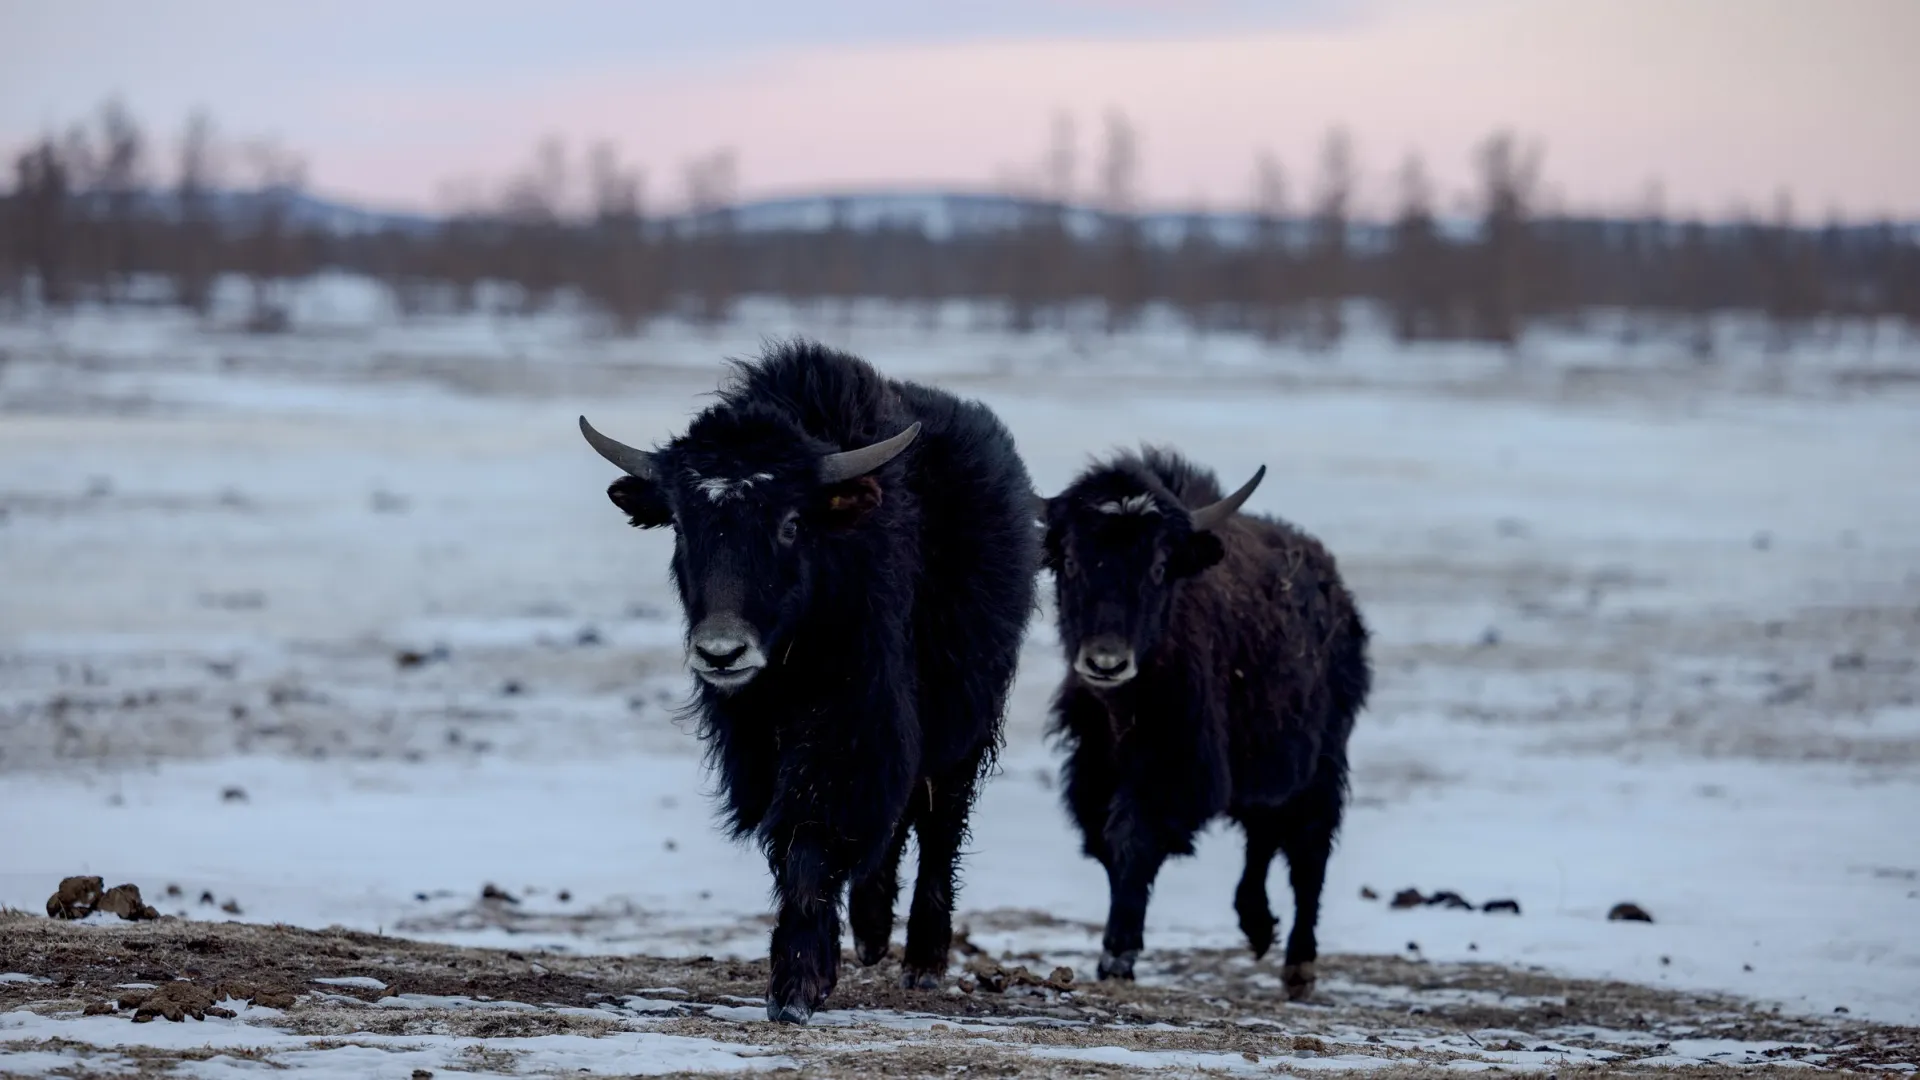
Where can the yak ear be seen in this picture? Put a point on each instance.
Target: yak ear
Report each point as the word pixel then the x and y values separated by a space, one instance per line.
pixel 642 501
pixel 1052 544
pixel 850 501
pixel 1197 553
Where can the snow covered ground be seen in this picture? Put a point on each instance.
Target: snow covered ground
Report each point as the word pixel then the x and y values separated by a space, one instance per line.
pixel 340 627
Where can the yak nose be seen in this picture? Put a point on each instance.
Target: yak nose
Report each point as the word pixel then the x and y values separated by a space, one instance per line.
pixel 1106 661
pixel 720 653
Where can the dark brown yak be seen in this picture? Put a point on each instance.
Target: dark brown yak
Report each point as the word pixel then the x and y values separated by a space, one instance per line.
pixel 1217 666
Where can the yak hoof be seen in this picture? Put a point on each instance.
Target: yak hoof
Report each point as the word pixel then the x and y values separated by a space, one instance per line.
pixel 870 953
pixel 788 1012
pixel 1259 933
pixel 1299 980
pixel 1118 966
pixel 914 978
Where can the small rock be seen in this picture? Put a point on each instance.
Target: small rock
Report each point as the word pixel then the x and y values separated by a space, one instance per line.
pixel 966 984
pixel 672 846
pixel 423 1074
pixel 99 1008
pixel 125 901
pixel 1413 946
pixel 1367 893
pixel 512 688
pixel 1450 900
pixel 1491 638
pixel 1408 898
pixel 988 975
pixel 233 794
pixel 1746 967
pixel 1061 977
pixel 1511 907
pixel 173 890
pixel 175 1001
pixel 587 637
pixel 495 893
pixel 420 896
pixel 207 898
pixel 76 897
pixel 1666 961
pixel 1625 912
pixel 1472 947
pixel 564 896
pixel 1842 1010
pixel 231 907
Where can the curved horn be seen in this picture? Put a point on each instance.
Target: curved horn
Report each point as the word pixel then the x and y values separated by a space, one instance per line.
pixel 851 463
pixel 635 462
pixel 1213 514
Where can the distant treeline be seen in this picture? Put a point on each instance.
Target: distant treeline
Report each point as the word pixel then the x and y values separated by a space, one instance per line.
pixel 93 212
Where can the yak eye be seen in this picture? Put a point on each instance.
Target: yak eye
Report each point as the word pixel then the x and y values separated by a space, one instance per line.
pixel 1159 570
pixel 1070 565
pixel 790 527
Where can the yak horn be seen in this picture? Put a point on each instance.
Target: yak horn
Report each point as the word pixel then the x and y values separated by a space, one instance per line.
pixel 851 463
pixel 634 462
pixel 1211 515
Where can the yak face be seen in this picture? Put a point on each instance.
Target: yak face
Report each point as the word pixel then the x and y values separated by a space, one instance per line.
pixel 750 498
pixel 1120 545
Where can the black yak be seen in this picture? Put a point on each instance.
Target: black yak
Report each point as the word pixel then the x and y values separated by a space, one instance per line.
pixel 1217 663
pixel 857 560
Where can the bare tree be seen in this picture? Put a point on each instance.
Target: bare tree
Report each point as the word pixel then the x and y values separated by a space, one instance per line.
pixel 1327 256
pixel 269 249
pixel 1124 273
pixel 626 283
pixel 1196 272
pixel 534 203
pixel 708 251
pixel 1270 271
pixel 1508 177
pixel 196 241
pixel 120 182
pixel 1790 279
pixel 43 192
pixel 1418 277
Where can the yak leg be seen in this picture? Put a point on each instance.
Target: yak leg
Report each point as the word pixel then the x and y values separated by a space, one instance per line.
pixel 870 901
pixel 805 954
pixel 1257 920
pixel 1312 819
pixel 1134 857
pixel 941 825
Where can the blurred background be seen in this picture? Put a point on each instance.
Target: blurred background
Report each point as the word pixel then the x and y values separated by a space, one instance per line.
pixel 1587 335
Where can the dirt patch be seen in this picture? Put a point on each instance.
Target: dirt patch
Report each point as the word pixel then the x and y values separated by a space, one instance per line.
pixel 1208 1010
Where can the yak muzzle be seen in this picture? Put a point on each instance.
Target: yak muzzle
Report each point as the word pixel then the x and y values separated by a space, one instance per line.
pixel 724 652
pixel 1105 662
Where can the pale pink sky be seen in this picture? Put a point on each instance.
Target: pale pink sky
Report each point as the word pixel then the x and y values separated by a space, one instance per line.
pixel 1724 101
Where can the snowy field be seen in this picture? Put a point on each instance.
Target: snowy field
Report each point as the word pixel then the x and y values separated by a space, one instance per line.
pixel 337 629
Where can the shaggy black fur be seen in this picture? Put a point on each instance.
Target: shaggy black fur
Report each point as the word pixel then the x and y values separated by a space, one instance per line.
pixel 1250 663
pixel 890 609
